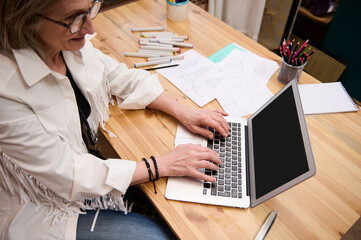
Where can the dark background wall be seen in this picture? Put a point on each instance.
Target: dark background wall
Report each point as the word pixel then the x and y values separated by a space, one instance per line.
pixel 343 39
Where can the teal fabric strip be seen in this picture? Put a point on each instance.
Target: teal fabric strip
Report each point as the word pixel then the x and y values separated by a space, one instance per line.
pixel 218 56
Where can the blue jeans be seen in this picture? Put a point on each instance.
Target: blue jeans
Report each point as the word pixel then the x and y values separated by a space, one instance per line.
pixel 115 225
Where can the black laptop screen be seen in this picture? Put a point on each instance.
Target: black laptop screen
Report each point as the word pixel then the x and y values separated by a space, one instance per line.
pixel 279 152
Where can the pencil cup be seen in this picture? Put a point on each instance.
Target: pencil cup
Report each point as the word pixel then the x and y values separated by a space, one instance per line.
pixel 289 72
pixel 177 10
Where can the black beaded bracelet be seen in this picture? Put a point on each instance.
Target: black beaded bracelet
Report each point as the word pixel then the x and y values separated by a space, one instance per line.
pixel 155 167
pixel 151 176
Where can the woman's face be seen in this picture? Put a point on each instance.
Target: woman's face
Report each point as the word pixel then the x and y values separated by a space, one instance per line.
pixel 56 37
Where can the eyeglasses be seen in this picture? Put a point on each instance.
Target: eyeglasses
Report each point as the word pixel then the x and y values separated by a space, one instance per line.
pixel 77 23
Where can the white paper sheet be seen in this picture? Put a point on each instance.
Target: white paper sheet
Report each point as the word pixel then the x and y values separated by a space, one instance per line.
pixel 323 98
pixel 184 136
pixel 241 62
pixel 188 77
pixel 250 75
pixel 238 81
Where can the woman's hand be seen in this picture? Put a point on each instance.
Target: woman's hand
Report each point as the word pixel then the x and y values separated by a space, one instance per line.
pixel 186 159
pixel 196 120
pixel 193 119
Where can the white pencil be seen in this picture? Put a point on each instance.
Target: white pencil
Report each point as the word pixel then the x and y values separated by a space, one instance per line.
pixel 143 64
pixel 188 45
pixel 173 37
pixel 156 34
pixel 146 43
pixel 157 53
pixel 164 39
pixel 141 29
pixel 180 37
pixel 142 55
pixel 160 58
pixel 170 49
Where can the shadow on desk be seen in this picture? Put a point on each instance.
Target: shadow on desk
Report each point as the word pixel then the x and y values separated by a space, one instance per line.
pixel 106 148
pixel 109 4
pixel 354 233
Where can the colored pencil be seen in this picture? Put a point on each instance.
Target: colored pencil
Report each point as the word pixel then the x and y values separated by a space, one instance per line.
pixel 295 54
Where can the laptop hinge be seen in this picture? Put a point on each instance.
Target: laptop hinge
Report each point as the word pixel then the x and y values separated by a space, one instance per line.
pixel 247 161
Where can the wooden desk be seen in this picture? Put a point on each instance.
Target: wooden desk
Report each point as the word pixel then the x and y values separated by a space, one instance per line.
pixel 323 207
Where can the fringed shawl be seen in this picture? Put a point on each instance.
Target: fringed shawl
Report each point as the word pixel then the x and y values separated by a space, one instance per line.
pixel 20 183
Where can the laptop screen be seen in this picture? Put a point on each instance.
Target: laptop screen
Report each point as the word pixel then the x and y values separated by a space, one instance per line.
pixel 280 146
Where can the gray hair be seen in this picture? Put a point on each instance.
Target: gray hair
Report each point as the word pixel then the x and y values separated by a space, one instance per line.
pixel 19 24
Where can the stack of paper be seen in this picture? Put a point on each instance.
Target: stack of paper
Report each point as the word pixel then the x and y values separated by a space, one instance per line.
pixel 238 79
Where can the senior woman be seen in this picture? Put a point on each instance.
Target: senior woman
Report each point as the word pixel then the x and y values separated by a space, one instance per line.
pixel 54 93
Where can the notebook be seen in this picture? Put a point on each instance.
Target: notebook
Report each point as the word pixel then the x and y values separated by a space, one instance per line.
pixel 275 155
pixel 326 98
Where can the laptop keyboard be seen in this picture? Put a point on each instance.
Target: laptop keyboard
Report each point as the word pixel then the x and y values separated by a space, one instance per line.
pixel 229 174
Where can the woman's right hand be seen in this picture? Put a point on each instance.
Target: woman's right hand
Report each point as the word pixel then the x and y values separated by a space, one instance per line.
pixel 186 159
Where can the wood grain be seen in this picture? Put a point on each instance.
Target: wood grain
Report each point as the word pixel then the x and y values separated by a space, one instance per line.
pixel 323 207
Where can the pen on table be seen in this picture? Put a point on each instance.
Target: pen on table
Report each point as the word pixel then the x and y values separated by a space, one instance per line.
pixel 141 29
pixel 166 57
pixel 161 48
pixel 157 34
pixel 184 37
pixel 178 44
pixel 167 52
pixel 163 66
pixel 156 39
pixel 142 55
pixel 147 43
pixel 266 226
pixel 159 53
pixel 143 64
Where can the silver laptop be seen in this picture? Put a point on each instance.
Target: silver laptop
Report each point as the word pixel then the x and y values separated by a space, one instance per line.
pixel 264 155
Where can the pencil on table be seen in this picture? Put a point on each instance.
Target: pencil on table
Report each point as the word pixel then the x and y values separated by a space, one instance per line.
pixel 180 37
pixel 164 39
pixel 147 43
pixel 142 55
pixel 143 29
pixel 154 52
pixel 170 49
pixel 170 57
pixel 156 34
pixel 143 64
pixel 179 44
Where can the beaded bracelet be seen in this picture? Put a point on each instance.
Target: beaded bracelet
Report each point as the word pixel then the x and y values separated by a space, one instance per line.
pixel 155 167
pixel 151 176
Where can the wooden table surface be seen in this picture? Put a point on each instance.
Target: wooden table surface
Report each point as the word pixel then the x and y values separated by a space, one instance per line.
pixel 323 207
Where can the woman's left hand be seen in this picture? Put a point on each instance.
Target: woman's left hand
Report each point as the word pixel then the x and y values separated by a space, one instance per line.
pixel 196 120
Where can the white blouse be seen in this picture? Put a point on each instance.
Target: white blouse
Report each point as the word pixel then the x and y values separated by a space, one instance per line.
pixel 48 171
